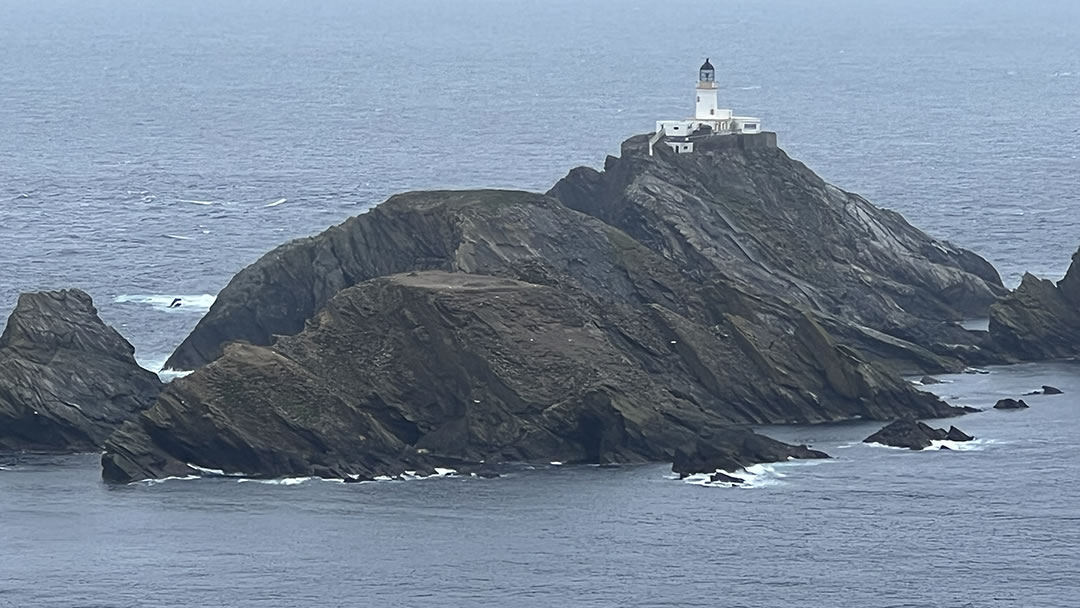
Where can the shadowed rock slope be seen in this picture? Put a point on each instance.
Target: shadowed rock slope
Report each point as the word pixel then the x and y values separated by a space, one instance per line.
pixel 414 371
pixel 553 336
pixel 769 224
pixel 66 379
pixel 1040 319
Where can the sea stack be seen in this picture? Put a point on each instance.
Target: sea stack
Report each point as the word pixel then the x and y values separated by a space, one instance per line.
pixel 66 379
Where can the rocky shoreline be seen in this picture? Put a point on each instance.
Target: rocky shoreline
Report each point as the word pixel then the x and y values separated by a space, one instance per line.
pixel 646 312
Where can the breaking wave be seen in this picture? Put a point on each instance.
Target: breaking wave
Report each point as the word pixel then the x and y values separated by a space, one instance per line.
pixel 188 303
pixel 754 476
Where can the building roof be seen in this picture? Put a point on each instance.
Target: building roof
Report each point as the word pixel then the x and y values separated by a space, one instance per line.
pixel 707 65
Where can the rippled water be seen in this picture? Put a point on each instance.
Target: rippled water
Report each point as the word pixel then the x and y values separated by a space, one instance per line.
pixel 993 526
pixel 143 146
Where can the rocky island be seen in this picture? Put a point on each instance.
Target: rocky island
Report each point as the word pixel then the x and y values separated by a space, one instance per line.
pixel 648 312
pixel 651 311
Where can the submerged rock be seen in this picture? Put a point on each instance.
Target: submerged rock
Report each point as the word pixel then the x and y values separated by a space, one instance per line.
pixel 914 435
pixel 67 380
pixel 1011 404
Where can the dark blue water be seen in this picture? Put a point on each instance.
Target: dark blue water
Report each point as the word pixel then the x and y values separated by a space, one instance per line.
pixel 962 115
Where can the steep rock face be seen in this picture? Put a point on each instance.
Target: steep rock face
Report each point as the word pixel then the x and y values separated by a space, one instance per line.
pixel 775 228
pixel 757 360
pixel 1040 320
pixel 66 379
pixel 430 369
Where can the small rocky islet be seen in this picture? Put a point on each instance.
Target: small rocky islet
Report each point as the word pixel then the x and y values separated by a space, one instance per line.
pixel 647 312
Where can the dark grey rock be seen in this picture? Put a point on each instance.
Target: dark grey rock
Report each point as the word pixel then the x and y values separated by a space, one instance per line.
pixel 1040 320
pixel 956 434
pixel 66 379
pixel 914 435
pixel 1010 404
pixel 1050 390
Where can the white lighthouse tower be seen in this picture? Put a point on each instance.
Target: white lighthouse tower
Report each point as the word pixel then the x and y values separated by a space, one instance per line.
pixel 709 119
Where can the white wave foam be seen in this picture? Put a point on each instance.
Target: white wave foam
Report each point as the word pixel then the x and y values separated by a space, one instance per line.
pixel 196 202
pixel 753 87
pixel 974 445
pixel 154 482
pixel 285 481
pixel 754 476
pixel 178 237
pixel 214 472
pixel 276 203
pixel 960 446
pixel 188 303
pixel 874 444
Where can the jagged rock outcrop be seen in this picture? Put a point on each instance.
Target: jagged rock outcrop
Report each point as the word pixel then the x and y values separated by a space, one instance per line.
pixel 771 225
pixel 1039 319
pixel 1011 404
pixel 66 379
pixel 914 435
pixel 423 370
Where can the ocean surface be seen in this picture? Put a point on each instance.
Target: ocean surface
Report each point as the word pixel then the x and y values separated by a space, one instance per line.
pixel 149 150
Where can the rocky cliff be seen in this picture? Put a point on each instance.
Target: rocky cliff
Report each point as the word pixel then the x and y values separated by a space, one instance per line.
pixel 769 224
pixel 750 218
pixel 1040 319
pixel 542 328
pixel 66 379
pixel 434 369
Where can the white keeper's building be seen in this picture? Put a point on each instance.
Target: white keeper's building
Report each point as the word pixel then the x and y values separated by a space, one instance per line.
pixel 709 119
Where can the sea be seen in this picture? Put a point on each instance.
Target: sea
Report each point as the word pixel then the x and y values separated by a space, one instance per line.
pixel 151 149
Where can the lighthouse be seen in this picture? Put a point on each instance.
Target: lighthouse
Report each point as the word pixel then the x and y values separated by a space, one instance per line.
pixel 709 119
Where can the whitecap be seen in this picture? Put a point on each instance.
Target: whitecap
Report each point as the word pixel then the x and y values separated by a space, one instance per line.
pixel 197 303
pixel 753 87
pixel 276 203
pixel 178 237
pixel 204 203
pixel 754 476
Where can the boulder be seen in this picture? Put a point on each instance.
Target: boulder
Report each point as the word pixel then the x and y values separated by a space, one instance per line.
pixel 67 380
pixel 956 434
pixel 1010 404
pixel 928 380
pixel 914 435
pixel 1050 390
